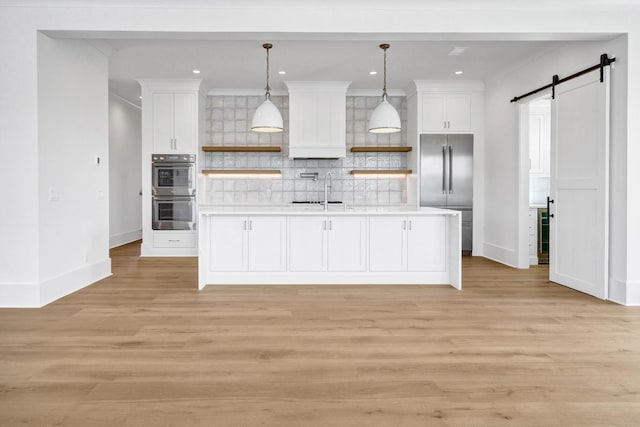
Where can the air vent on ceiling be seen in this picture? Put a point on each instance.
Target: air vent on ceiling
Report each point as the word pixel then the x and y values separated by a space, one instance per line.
pixel 458 50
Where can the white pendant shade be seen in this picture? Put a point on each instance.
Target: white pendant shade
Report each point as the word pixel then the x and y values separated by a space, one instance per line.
pixel 385 119
pixel 267 118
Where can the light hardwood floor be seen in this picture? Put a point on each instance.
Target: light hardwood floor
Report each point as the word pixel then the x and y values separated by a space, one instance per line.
pixel 145 347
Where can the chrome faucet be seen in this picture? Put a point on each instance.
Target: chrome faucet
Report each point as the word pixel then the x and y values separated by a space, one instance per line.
pixel 328 185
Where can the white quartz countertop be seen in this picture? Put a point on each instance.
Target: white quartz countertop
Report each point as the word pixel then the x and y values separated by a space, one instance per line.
pixel 313 209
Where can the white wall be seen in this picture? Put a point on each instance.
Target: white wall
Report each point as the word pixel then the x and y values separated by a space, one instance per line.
pixel 501 227
pixel 20 20
pixel 73 129
pixel 125 176
pixel 18 146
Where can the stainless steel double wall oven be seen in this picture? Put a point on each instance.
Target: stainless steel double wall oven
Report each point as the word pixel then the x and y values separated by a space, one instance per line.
pixel 173 189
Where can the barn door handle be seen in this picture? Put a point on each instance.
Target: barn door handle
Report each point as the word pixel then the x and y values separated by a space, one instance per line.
pixel 549 201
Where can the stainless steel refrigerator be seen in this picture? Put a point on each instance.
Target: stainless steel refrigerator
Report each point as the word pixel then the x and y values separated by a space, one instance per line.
pixel 446 177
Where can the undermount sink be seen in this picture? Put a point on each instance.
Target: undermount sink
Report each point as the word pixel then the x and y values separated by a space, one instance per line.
pixel 314 205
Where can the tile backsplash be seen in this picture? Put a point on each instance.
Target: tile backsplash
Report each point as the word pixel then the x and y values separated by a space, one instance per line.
pixel 229 121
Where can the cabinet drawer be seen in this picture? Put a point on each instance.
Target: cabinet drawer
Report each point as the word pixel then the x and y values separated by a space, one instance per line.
pixel 174 240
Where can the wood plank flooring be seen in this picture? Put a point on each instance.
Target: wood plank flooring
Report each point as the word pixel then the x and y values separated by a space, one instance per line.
pixel 146 348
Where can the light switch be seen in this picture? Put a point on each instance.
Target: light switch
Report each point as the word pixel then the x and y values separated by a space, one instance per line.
pixel 100 195
pixel 54 196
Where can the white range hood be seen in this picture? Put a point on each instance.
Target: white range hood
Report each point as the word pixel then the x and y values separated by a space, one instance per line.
pixel 317 119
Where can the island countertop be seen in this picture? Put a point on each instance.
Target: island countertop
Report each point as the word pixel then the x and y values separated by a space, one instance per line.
pixel 318 210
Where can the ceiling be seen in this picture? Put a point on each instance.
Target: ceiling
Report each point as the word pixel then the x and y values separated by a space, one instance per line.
pixel 240 64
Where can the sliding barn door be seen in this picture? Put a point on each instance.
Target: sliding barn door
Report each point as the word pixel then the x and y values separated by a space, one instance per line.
pixel 579 235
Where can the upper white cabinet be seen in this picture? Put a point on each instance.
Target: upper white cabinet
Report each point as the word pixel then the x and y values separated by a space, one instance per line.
pixel 540 138
pixel 174 122
pixel 240 243
pixel 317 119
pixel 446 112
pixel 170 110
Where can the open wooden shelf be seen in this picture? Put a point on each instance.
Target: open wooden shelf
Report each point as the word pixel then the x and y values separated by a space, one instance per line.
pixel 241 172
pixel 381 172
pixel 380 149
pixel 241 148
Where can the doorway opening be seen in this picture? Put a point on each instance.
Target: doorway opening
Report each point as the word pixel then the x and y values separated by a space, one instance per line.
pixel 535 180
pixel 539 180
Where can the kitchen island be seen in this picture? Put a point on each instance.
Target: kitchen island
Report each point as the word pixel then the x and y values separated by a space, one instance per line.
pixel 340 245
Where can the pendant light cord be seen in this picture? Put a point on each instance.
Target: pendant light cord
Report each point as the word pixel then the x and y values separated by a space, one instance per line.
pixel 384 47
pixel 267 89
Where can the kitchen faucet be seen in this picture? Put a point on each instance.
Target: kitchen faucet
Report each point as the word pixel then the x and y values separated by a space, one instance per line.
pixel 328 185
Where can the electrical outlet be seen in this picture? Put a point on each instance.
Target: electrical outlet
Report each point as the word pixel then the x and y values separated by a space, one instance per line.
pixel 100 195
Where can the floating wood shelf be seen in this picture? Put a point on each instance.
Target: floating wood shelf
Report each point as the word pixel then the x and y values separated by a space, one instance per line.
pixel 380 149
pixel 241 148
pixel 381 172
pixel 241 172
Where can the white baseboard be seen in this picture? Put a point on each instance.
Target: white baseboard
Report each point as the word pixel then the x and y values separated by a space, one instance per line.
pixel 633 293
pixel 533 260
pixel 501 254
pixel 625 293
pixel 19 295
pixel 124 238
pixel 65 284
pixel 26 295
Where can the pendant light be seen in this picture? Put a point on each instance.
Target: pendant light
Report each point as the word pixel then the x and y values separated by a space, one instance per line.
pixel 267 117
pixel 385 118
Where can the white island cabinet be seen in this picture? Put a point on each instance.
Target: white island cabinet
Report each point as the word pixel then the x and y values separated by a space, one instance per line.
pixel 408 243
pixel 327 243
pixel 247 243
pixel 285 245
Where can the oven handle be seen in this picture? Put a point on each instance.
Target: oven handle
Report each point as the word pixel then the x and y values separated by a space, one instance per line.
pixel 172 164
pixel 173 199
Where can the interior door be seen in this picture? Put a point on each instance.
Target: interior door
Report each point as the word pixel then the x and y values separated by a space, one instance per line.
pixel 580 185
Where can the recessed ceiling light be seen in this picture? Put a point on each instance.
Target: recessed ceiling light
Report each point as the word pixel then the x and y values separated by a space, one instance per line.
pixel 282 73
pixel 373 73
pixel 458 72
pixel 140 97
pixel 196 71
pixel 459 50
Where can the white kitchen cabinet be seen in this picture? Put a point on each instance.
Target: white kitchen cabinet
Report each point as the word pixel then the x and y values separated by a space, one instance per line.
pixel 174 239
pixel 446 112
pixel 533 236
pixel 426 239
pixel 267 243
pixel 540 138
pixel 174 124
pixel 413 243
pixel 347 243
pixel 388 243
pixel 307 244
pixel 317 119
pixel 227 243
pixel 328 243
pixel 350 247
pixel 241 243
